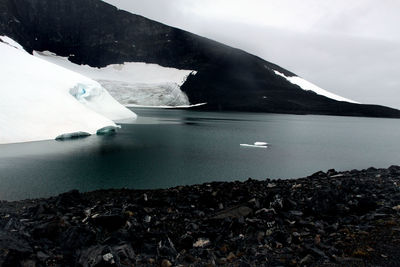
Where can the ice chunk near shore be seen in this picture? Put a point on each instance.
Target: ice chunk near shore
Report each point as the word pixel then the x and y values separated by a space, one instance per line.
pixel 68 136
pixel 40 100
pixel 108 130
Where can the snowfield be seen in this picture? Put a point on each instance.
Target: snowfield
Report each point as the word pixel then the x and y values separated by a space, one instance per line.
pixel 40 100
pixel 133 83
pixel 306 85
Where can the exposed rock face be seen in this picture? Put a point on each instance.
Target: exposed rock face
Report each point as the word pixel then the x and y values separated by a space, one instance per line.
pixel 98 34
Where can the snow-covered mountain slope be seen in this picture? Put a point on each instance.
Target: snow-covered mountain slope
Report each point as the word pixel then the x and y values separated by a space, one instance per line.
pixel 133 83
pixel 308 86
pixel 227 78
pixel 40 100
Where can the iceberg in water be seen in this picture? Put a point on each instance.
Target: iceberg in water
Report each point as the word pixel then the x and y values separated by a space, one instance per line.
pixel 256 144
pixel 248 145
pixel 40 100
pixel 260 143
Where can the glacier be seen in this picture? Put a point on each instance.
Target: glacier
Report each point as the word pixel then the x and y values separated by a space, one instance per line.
pixel 133 83
pixel 41 101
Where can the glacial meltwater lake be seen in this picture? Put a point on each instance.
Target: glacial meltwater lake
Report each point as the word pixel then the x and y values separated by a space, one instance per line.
pixel 166 148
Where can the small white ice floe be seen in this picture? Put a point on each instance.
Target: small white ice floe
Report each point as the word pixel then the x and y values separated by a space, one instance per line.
pixel 256 144
pixel 260 143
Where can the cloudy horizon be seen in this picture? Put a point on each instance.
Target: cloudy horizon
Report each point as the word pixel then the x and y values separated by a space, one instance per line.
pixel 350 49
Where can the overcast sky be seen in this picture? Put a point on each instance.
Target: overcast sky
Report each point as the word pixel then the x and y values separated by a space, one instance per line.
pixel 351 48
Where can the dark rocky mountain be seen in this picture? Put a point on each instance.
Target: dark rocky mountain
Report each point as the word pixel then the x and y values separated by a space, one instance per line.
pixel 98 34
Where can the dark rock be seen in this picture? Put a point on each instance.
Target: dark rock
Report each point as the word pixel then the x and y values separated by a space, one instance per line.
pixel 42 256
pixel 125 253
pixel 235 212
pixel 186 242
pixel 14 242
pixel 13 249
pixel 349 261
pixel 48 230
pixel 394 169
pixel 306 260
pixel 189 258
pixel 318 174
pixel 75 237
pixel 109 222
pixel 331 172
pixel 69 198
pixel 296 213
pixel 93 256
pixel 317 252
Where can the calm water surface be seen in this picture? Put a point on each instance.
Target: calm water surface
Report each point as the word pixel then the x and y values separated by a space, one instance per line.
pixel 166 148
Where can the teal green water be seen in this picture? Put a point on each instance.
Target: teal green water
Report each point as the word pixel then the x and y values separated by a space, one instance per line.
pixel 166 148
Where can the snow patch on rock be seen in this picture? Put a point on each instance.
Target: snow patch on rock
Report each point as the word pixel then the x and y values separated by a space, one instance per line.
pixel 306 85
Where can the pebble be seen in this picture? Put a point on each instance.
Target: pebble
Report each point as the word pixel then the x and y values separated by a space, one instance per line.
pixel 166 263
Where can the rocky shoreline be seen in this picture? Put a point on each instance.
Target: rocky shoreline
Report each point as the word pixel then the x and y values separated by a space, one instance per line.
pixel 327 219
